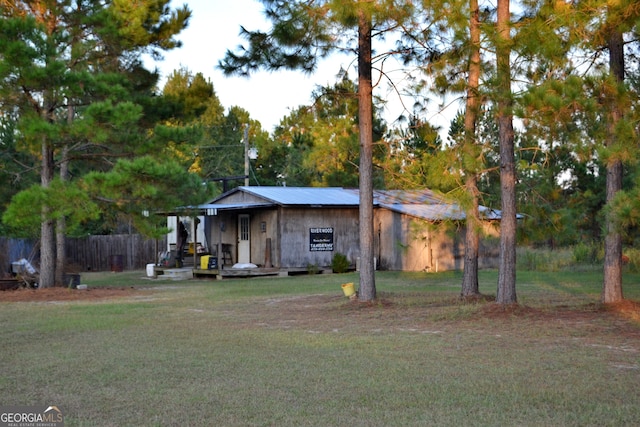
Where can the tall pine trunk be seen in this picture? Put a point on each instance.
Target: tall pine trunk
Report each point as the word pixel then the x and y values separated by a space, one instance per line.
pixel 612 286
pixel 507 276
pixel 470 285
pixel 47 227
pixel 61 224
pixel 367 289
pixel 472 238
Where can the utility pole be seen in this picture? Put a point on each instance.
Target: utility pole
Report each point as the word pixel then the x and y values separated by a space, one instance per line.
pixel 246 155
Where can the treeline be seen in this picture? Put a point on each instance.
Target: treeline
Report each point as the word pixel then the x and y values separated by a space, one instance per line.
pixel 548 91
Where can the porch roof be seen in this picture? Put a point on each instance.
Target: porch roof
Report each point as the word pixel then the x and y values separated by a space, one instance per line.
pixel 211 209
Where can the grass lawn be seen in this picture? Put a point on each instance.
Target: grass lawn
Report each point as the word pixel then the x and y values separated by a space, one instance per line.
pixel 295 352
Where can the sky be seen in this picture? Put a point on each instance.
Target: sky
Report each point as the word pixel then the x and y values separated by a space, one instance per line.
pixel 213 29
pixel 268 96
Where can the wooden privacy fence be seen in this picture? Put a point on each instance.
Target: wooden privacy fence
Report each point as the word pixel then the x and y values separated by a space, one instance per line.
pixel 113 253
pixel 91 253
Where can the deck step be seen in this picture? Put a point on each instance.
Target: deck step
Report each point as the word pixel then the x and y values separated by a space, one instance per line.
pixel 177 273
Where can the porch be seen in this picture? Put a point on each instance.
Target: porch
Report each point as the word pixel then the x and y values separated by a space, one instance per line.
pixel 188 272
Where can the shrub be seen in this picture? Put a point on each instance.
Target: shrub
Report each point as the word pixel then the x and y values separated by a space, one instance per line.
pixel 586 253
pixel 543 259
pixel 340 263
pixel 313 269
pixel 633 259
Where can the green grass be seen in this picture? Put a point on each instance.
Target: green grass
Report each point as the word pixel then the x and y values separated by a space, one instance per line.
pixel 294 352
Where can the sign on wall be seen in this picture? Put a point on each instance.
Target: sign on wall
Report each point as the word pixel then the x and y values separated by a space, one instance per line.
pixel 321 239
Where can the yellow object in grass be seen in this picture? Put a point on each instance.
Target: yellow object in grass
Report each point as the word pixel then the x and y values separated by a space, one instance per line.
pixel 348 289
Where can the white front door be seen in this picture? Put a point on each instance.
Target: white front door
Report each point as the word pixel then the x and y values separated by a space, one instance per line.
pixel 244 240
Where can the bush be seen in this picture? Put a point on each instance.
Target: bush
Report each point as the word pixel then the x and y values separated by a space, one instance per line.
pixel 543 259
pixel 313 269
pixel 581 256
pixel 340 263
pixel 584 253
pixel 632 259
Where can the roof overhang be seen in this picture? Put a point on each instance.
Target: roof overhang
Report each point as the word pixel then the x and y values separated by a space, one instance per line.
pixel 212 209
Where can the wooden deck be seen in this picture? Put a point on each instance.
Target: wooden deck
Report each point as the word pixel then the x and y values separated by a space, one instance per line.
pixel 247 272
pixel 230 272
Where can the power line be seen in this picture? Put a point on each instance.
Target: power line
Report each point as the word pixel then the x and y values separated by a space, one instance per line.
pixel 219 146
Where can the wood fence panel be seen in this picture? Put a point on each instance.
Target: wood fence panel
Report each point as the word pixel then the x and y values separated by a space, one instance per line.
pixel 91 253
pixel 104 253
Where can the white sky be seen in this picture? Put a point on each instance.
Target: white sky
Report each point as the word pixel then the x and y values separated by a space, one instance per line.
pixel 268 97
pixel 214 28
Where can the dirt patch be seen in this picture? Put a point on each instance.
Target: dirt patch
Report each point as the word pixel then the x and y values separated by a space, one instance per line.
pixel 64 294
pixel 423 314
pixel 625 309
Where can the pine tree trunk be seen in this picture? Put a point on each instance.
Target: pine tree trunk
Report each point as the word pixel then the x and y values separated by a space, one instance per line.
pixel 367 289
pixel 612 286
pixel 470 285
pixel 507 275
pixel 61 225
pixel 47 228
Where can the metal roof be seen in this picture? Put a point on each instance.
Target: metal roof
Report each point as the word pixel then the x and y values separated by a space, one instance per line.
pixel 441 211
pixel 436 212
pixel 210 208
pixel 422 197
pixel 305 196
pixel 425 204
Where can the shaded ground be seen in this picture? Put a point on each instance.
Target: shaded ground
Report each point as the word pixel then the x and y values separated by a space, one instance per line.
pixel 64 294
pixel 321 311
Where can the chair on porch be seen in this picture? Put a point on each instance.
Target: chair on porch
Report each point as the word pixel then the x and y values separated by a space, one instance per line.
pixel 226 254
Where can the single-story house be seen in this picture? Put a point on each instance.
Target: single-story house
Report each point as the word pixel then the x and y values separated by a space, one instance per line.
pixel 300 227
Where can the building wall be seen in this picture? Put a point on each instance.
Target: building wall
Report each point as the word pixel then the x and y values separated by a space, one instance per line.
pixel 402 243
pixel 222 229
pixel 295 228
pixel 264 231
pixel 260 219
pixel 411 244
pixel 489 256
pixel 241 197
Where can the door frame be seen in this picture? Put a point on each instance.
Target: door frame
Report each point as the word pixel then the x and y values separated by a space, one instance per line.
pixel 244 239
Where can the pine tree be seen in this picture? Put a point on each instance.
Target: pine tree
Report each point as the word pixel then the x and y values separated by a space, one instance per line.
pixel 506 293
pixel 304 32
pixel 470 286
pixel 72 69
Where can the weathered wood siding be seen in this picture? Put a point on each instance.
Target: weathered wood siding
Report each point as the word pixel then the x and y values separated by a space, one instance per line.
pixel 228 234
pixel 242 197
pixel 267 218
pixel 288 231
pixel 401 242
pixel 222 229
pixel 411 244
pixel 295 224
